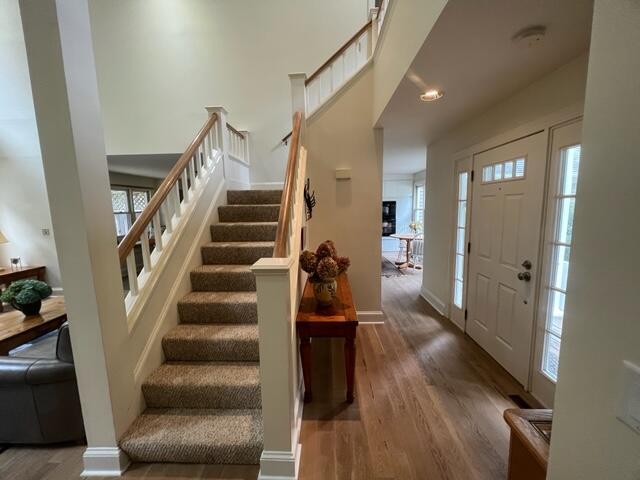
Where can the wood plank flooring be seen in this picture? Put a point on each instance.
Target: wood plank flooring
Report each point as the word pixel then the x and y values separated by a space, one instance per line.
pixel 429 405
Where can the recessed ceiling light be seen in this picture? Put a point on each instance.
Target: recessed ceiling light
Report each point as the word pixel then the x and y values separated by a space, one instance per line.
pixel 431 95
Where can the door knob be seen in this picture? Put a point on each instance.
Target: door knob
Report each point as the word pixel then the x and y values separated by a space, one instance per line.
pixel 524 276
pixel 527 264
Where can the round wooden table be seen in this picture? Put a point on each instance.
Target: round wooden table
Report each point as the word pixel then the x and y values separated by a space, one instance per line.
pixel 408 238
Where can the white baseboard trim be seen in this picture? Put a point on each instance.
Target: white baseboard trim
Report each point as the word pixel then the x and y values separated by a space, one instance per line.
pixel 283 465
pixel 373 316
pixel 104 462
pixel 441 307
pixel 267 186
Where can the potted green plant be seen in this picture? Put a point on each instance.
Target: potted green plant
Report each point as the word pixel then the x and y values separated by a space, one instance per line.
pixel 26 295
pixel 323 266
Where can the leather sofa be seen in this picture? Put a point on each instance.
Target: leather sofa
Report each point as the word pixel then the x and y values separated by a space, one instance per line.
pixel 39 400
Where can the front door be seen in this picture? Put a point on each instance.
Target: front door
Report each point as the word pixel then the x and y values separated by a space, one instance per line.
pixel 505 234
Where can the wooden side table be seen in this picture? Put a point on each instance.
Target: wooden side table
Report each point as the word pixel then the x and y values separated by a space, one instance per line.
pixel 16 329
pixel 9 275
pixel 337 320
pixel 529 444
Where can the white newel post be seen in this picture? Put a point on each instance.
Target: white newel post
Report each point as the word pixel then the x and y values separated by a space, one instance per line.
pixel 298 93
pixel 281 409
pixel 63 79
pixel 223 137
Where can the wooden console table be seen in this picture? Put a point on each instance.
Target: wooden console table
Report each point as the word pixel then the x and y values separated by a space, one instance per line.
pixel 8 275
pixel 16 329
pixel 337 320
pixel 529 445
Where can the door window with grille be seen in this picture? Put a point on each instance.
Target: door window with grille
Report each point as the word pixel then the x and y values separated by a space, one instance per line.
pixel 559 255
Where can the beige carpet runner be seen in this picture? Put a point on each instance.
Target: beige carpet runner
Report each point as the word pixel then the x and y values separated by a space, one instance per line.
pixel 203 404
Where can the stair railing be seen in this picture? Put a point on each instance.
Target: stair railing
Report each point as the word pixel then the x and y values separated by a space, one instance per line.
pixel 290 191
pixel 144 245
pixel 278 286
pixel 344 64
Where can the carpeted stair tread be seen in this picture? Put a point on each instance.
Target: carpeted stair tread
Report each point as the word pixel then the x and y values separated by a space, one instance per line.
pixel 203 385
pixel 243 231
pixel 253 197
pixel 195 436
pixel 223 278
pixel 218 307
pixel 248 213
pixel 236 253
pixel 212 342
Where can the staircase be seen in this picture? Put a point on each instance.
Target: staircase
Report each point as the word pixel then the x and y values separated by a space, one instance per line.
pixel 203 404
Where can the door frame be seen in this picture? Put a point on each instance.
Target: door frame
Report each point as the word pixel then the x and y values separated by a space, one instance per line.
pixel 458 315
pixel 544 124
pixel 542 387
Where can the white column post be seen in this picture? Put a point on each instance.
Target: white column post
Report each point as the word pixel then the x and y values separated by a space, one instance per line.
pixel 223 137
pixel 247 155
pixel 298 93
pixel 373 39
pixel 62 71
pixel 281 405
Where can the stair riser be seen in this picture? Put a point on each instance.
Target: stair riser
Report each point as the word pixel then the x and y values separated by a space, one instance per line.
pixel 200 396
pixel 253 197
pixel 248 213
pixel 198 350
pixel 218 312
pixel 243 233
pixel 202 454
pixel 223 282
pixel 215 255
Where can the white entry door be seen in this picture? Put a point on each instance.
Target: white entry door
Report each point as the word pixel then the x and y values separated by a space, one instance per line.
pixel 505 232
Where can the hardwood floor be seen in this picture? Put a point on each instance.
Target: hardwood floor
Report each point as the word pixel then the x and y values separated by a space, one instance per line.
pixel 429 405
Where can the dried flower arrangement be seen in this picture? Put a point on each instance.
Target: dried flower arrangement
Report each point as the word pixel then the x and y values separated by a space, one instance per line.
pixel 325 264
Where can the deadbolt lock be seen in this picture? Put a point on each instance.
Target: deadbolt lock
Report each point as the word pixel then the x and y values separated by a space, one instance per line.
pixel 527 264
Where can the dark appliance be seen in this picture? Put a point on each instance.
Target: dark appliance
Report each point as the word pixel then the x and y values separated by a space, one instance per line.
pixel 388 218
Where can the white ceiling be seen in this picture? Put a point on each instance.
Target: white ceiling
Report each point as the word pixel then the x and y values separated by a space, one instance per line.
pixel 469 55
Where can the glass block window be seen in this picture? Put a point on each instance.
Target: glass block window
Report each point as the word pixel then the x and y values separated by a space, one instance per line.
pixel 559 254
pixel 502 171
pixel 461 225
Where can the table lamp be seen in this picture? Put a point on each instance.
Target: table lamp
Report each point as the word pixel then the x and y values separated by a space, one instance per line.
pixel 3 239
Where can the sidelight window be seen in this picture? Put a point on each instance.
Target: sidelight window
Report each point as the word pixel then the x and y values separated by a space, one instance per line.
pixel 558 257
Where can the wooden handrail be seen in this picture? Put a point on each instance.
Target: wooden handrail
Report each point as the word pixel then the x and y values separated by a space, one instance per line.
pixel 230 127
pixel 338 52
pixel 143 220
pixel 284 217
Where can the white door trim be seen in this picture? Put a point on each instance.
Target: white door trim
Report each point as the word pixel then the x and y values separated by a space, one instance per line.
pixel 542 388
pixel 457 315
pixel 543 124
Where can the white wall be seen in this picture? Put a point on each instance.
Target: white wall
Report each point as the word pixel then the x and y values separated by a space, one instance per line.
pixel 349 211
pixel 398 188
pixel 601 326
pixel 561 88
pixel 24 207
pixel 160 62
